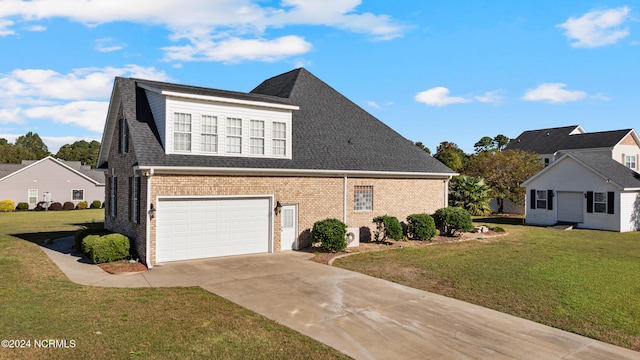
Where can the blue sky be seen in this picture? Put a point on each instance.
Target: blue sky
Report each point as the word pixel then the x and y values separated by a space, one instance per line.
pixel 432 70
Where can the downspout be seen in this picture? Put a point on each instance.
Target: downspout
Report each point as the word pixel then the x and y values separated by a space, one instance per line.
pixel 446 191
pixel 344 201
pixel 148 227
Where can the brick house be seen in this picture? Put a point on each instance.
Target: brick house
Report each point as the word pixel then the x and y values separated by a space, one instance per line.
pixel 196 172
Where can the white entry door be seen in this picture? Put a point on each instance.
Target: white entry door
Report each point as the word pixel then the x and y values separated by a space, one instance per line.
pixel 289 235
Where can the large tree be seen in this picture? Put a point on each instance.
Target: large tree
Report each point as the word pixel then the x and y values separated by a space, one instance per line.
pixel 34 144
pixel 485 144
pixel 504 171
pixel 421 146
pixel 451 155
pixel 85 152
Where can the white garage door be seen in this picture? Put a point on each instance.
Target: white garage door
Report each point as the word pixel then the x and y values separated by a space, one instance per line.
pixel 570 206
pixel 203 228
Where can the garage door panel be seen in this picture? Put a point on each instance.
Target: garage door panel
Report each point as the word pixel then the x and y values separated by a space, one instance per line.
pixel 201 228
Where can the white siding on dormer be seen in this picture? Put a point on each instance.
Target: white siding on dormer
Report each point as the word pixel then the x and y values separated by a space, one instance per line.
pixel 158 109
pixel 223 111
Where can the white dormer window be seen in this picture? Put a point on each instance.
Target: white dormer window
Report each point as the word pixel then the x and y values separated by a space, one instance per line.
pixel 630 161
pixel 257 137
pixel 234 135
pixel 279 142
pixel 209 134
pixel 182 132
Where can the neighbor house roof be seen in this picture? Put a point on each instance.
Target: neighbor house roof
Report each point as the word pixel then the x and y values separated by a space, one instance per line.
pixel 604 166
pixel 549 141
pixel 7 170
pixel 329 132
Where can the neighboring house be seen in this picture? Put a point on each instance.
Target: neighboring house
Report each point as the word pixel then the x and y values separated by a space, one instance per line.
pixel 550 144
pixel 195 172
pixel 590 190
pixel 62 180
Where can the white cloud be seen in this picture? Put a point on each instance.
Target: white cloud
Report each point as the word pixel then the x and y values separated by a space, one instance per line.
pixel 107 45
pixel 373 104
pixel 491 97
pixel 212 30
pixel 554 93
pixel 235 49
pixel 439 96
pixel 37 28
pixel 597 28
pixel 79 98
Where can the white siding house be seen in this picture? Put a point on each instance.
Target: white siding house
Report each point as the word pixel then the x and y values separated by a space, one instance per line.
pixel 586 189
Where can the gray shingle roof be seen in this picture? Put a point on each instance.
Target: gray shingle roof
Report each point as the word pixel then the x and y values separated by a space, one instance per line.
pixel 329 131
pixel 549 141
pixel 611 169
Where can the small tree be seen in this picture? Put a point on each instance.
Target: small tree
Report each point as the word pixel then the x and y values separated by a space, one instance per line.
pixel 451 219
pixel 471 194
pixel 330 233
pixel 387 227
pixel 421 227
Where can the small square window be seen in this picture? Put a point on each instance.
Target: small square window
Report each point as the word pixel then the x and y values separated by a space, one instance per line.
pixel 77 195
pixel 363 198
pixel 630 161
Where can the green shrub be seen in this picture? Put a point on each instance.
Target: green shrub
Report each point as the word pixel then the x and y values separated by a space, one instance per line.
pixel 82 205
pixel 68 205
pixel 81 234
pixel 330 233
pixel 451 219
pixel 498 229
pixel 56 206
pixel 106 248
pixel 96 204
pixel 421 226
pixel 387 227
pixel 7 205
pixel 22 206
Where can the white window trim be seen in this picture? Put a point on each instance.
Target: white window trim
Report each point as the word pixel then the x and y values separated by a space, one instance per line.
pixel 29 197
pixel 72 193
pixel 630 160
pixel 214 134
pixel 189 133
pixel 604 202
pixel 253 136
pixel 543 198
pixel 240 136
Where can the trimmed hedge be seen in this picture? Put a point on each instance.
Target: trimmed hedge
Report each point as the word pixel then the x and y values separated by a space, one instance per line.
pixel 81 234
pixel 56 206
pixel 451 219
pixel 68 205
pixel 106 248
pixel 421 227
pixel 7 205
pixel 22 206
pixel 387 227
pixel 96 204
pixel 330 233
pixel 82 205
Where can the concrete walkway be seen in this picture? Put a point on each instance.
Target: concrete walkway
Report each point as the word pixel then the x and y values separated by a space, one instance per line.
pixel 362 316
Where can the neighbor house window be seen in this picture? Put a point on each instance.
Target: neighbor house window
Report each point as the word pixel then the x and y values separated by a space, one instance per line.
pixel 33 196
pixel 630 161
pixel 209 134
pixel 600 202
pixel 234 135
pixel 279 139
pixel 257 137
pixel 363 198
pixel 181 132
pixel 77 195
pixel 546 161
pixel 541 199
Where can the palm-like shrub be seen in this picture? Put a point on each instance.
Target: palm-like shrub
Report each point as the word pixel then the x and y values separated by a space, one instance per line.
pixel 471 194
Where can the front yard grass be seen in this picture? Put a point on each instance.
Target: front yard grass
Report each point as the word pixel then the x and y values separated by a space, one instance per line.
pixel 582 281
pixel 39 302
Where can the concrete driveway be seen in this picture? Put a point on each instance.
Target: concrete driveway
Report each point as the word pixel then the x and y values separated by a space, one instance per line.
pixel 362 316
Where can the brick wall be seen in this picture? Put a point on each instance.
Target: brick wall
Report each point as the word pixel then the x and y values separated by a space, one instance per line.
pixel 317 198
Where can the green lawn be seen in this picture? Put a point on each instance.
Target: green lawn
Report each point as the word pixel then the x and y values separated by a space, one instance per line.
pixel 38 302
pixel 583 281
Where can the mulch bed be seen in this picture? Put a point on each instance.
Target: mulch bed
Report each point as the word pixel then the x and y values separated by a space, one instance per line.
pixel 123 267
pixel 324 257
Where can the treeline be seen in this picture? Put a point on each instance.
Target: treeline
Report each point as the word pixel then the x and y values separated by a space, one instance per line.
pixel 31 147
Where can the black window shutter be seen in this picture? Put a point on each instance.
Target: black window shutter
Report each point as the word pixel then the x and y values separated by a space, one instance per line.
pixel 138 193
pixel 533 198
pixel 120 130
pixel 130 198
pixel 549 199
pixel 115 196
pixel 589 201
pixel 610 204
